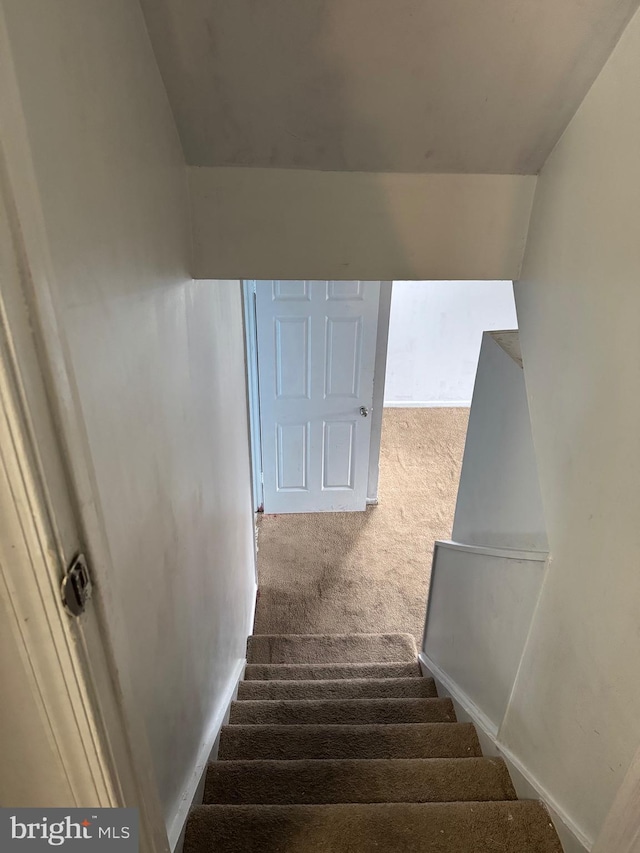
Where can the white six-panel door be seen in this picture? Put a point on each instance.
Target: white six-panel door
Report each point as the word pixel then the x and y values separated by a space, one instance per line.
pixel 316 354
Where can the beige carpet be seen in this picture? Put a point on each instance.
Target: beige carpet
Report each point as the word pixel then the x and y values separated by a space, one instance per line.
pixel 367 571
pixel 316 766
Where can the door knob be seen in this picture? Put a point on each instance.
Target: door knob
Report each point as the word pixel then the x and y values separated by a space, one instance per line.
pixel 364 411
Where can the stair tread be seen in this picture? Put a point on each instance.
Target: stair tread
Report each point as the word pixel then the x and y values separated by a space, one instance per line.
pixel 358 781
pixel 341 688
pixel 341 711
pixel 385 740
pixel 489 827
pixel 323 671
pixel 331 648
pixel 336 744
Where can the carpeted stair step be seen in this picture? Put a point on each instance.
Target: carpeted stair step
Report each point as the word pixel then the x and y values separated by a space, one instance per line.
pixel 411 740
pixel 329 671
pixel 342 688
pixel 341 711
pixel 347 781
pixel 331 648
pixel 511 827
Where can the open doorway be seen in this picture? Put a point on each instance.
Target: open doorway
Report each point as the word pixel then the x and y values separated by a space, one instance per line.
pixel 328 572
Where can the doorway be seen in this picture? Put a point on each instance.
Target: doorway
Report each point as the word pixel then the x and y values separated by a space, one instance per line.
pixel 369 572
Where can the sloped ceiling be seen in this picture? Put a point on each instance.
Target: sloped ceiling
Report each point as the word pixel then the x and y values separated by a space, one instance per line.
pixel 462 86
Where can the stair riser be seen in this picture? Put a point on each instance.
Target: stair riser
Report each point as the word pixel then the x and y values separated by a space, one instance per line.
pixel 339 648
pixel 412 781
pixel 513 827
pixel 319 671
pixel 364 688
pixel 435 740
pixel 348 712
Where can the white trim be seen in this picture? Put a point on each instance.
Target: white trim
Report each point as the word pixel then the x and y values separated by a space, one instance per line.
pixel 527 786
pixel 253 390
pixel 207 752
pixel 427 404
pixel 379 378
pixel 451 689
pixel 504 553
pixel 47 638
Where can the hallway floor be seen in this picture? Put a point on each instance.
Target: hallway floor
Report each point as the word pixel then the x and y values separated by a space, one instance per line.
pixel 367 572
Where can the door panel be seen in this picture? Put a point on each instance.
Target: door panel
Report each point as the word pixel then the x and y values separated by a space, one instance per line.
pixel 338 453
pixel 343 355
pixel 292 457
pixel 293 357
pixel 316 355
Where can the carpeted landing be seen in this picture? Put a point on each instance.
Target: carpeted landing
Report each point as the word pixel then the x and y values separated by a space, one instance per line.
pixel 337 744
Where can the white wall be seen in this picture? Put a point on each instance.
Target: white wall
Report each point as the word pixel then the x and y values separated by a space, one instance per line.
pixel 435 333
pixel 499 503
pixel 156 360
pixel 486 583
pixel 480 609
pixel 298 224
pixel 575 713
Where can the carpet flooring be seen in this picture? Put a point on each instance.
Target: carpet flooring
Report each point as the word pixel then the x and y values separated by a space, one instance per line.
pixel 381 773
pixel 367 572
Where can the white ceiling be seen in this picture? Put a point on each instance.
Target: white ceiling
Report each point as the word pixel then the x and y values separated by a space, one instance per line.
pixel 479 86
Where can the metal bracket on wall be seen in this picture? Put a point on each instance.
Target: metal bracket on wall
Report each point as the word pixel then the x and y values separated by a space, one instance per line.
pixel 76 586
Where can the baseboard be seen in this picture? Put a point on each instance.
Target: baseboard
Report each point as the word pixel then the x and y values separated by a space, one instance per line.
pixel 209 749
pixel 427 404
pixel 208 752
pixel 527 786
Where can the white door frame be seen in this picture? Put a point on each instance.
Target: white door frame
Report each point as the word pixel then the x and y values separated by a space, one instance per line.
pixel 50 504
pixel 32 564
pixel 253 390
pixel 382 342
pixel 251 347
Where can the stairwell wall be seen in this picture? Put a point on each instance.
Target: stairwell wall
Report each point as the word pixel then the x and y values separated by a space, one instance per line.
pixel 296 223
pixel 574 716
pixel 499 503
pixel 156 363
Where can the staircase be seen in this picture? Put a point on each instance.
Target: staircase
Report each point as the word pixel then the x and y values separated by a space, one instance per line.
pixel 337 744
